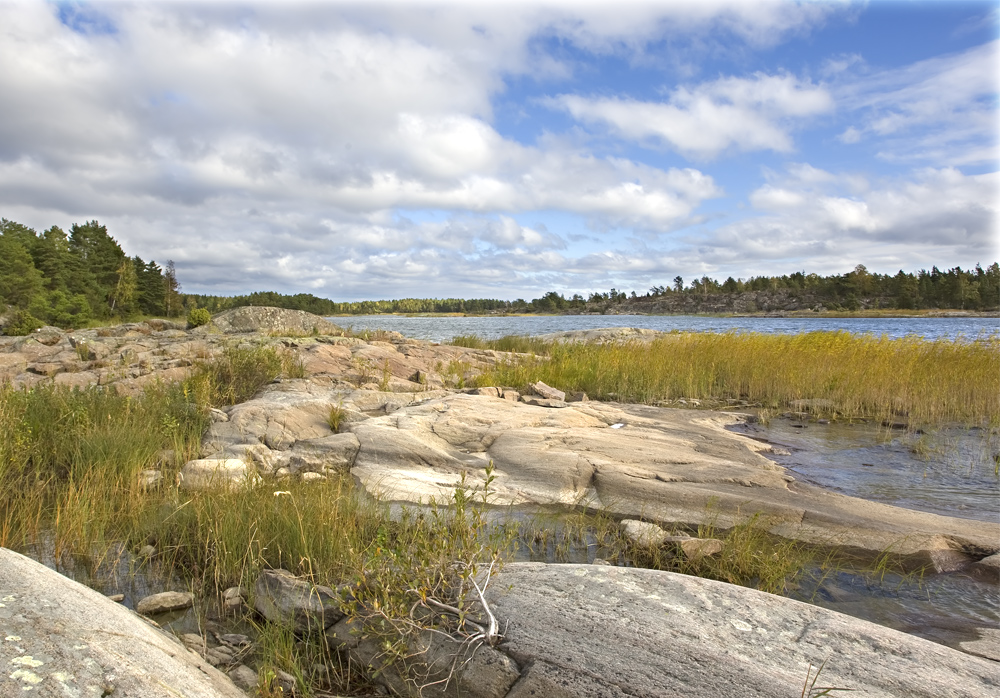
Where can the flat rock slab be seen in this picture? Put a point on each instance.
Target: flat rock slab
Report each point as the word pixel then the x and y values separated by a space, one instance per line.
pixel 661 464
pixel 59 638
pixel 602 631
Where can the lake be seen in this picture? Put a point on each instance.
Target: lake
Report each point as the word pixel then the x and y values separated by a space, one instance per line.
pixel 439 329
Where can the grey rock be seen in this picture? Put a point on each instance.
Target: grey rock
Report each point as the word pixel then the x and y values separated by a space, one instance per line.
pixel 219 656
pixel 281 597
pixel 986 646
pixel 116 597
pixel 544 403
pixel 205 474
pixel 267 319
pixel 642 533
pixel 62 639
pixel 574 396
pixel 194 642
pixel 150 478
pixel 332 453
pixel 657 633
pixel 244 677
pixel 164 602
pixel 696 548
pixel 547 392
pixel 234 640
pixel 988 567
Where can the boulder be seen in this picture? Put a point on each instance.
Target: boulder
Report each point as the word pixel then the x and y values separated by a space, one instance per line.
pixel 599 631
pixel 547 392
pixel 164 602
pixel 643 534
pixel 281 597
pixel 59 638
pixel 268 319
pixel 203 474
pixel 332 453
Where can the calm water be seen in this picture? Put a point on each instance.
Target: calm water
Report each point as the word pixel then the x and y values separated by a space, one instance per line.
pixel 442 328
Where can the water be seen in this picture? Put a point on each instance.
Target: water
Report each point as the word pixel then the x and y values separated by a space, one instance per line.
pixel 949 471
pixel 439 329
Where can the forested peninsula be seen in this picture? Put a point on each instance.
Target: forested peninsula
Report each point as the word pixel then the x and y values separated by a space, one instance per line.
pixel 84 276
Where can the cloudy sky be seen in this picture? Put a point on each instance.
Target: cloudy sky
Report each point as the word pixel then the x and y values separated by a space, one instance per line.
pixel 367 150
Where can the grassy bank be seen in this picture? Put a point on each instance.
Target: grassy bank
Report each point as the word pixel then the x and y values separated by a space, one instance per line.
pixel 855 375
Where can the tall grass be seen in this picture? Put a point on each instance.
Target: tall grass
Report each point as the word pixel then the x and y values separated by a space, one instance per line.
pixel 508 343
pixel 927 380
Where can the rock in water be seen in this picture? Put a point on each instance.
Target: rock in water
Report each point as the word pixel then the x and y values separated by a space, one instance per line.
pixel 281 597
pixel 59 638
pixel 164 602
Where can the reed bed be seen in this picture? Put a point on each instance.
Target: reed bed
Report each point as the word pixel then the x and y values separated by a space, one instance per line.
pixel 508 343
pixel 855 376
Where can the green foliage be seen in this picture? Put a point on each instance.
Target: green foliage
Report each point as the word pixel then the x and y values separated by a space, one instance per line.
pixel 198 317
pixel 238 374
pixel 336 417
pixel 20 322
pixel 70 280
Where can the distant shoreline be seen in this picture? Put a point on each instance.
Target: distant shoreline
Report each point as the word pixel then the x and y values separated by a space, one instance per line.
pixel 869 313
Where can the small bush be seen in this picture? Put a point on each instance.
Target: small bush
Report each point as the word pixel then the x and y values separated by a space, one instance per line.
pixel 198 317
pixel 21 323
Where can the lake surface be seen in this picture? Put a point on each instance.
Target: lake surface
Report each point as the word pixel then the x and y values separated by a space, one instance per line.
pixel 439 329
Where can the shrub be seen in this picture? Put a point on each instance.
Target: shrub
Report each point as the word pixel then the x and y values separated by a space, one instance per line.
pixel 21 323
pixel 198 317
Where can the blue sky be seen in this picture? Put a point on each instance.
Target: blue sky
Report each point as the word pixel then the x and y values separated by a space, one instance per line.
pixel 384 150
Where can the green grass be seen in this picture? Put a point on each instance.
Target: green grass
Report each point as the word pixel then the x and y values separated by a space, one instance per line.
pixel 929 381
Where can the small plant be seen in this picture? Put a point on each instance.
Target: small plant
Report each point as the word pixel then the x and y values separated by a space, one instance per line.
pixel 198 317
pixel 383 383
pixel 336 417
pixel 21 322
pixel 82 351
pixel 292 365
pixel 809 689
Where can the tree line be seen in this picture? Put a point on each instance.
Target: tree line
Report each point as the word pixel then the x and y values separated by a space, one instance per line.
pixel 71 279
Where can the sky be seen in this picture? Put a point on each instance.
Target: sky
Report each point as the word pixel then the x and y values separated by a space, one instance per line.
pixel 380 150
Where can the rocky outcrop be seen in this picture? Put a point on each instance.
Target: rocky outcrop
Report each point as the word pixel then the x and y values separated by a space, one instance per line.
pixel 269 319
pixel 59 638
pixel 659 464
pixel 657 633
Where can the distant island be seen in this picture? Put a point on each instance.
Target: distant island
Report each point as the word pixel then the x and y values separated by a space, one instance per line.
pixel 72 280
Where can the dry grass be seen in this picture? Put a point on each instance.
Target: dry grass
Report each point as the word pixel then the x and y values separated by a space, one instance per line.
pixel 930 381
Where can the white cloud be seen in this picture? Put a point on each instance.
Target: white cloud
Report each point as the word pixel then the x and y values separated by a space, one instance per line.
pixel 747 114
pixel 941 110
pixel 901 222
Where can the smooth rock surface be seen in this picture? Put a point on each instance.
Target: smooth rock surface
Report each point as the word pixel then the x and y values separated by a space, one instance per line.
pixel 597 631
pixel 659 464
pixel 59 638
